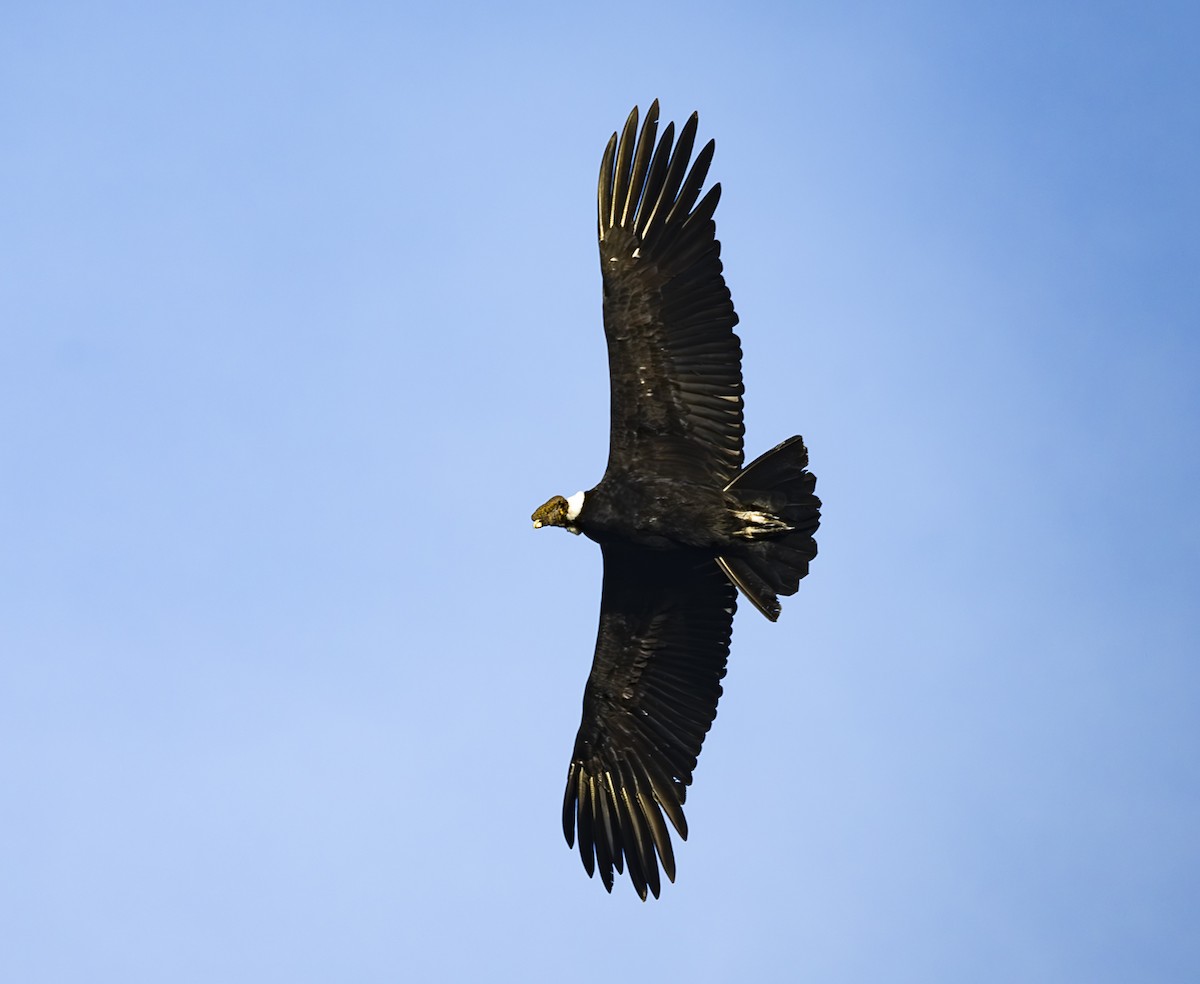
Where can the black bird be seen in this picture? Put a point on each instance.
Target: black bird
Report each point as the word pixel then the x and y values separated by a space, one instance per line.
pixel 679 521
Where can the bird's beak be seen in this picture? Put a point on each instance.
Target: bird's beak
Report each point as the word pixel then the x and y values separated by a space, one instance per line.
pixel 537 524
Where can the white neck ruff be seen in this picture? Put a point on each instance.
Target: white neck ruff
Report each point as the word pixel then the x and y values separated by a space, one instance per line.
pixel 574 505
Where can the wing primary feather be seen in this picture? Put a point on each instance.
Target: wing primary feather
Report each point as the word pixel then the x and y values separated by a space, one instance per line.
pixel 570 798
pixel 658 831
pixel 604 191
pixel 606 821
pixel 637 179
pixel 632 837
pixel 691 187
pixel 610 793
pixel 651 804
pixel 654 179
pixel 669 792
pixel 624 161
pixel 675 172
pixel 606 844
pixel 704 211
pixel 585 813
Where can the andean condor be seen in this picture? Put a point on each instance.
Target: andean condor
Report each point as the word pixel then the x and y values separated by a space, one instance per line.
pixel 679 521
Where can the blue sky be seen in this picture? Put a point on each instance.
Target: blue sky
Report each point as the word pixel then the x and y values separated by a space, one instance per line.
pixel 300 319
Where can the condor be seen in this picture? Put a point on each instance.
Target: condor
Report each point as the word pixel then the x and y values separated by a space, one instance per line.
pixel 682 526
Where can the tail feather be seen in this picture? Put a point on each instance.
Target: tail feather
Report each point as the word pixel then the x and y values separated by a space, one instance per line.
pixel 771 563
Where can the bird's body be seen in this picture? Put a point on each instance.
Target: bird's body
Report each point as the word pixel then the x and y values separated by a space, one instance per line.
pixel 680 522
pixel 656 513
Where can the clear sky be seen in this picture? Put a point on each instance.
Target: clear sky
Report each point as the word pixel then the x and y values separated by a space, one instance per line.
pixel 300 319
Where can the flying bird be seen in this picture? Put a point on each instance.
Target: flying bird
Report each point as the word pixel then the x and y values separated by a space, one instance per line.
pixel 682 526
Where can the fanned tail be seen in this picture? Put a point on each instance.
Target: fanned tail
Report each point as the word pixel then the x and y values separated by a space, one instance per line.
pixel 780 513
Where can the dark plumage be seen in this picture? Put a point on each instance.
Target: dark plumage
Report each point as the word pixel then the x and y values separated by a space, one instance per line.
pixel 679 521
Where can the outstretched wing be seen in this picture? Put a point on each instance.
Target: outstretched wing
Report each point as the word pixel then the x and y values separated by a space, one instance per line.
pixel 665 623
pixel 674 360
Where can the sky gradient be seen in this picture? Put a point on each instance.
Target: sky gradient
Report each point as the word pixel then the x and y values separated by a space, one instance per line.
pixel 299 321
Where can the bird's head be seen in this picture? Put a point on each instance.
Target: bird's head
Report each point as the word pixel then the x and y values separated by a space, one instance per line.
pixel 559 511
